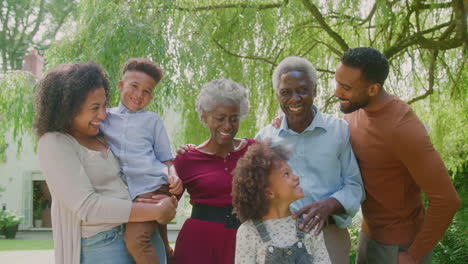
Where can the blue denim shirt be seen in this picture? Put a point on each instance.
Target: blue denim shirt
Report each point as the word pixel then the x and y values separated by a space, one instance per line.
pixel 323 159
pixel 140 141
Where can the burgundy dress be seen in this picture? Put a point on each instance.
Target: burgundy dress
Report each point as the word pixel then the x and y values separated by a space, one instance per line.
pixel 208 180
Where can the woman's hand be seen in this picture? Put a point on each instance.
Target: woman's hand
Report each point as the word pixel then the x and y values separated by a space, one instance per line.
pixel 167 210
pixel 161 209
pixel 184 148
pixel 276 122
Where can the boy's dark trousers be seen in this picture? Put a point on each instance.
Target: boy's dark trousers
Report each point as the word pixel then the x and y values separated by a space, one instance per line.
pixel 138 235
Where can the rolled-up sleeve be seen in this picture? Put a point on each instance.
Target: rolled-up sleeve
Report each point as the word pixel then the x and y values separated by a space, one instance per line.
pixel 161 145
pixel 351 193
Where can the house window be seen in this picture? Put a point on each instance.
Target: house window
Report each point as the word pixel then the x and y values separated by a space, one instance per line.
pixel 41 204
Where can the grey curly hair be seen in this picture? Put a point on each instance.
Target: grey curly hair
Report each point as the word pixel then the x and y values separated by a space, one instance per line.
pixel 293 63
pixel 220 91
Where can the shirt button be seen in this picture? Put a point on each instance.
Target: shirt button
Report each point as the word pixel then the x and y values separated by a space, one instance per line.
pixel 270 249
pixel 225 169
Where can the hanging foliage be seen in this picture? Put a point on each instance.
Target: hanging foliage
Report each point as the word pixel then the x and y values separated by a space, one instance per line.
pixel 198 41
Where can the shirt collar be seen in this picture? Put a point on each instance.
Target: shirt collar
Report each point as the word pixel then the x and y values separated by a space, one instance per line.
pixel 317 122
pixel 123 109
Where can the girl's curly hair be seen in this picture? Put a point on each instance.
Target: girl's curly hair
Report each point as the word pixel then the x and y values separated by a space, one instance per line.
pixel 62 92
pixel 251 177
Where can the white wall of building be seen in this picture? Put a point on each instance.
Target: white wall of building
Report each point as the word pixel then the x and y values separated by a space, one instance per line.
pixel 17 172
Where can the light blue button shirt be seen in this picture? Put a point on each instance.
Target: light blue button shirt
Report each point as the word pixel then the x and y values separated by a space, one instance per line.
pixel 140 141
pixel 323 159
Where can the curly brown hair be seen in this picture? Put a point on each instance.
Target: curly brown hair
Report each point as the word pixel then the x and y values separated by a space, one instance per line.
pixel 144 65
pixel 251 177
pixel 62 92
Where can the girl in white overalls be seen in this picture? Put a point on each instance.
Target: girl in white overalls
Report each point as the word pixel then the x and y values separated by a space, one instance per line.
pixel 264 186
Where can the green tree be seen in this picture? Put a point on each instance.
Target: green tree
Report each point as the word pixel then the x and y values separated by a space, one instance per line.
pixel 28 24
pixel 197 41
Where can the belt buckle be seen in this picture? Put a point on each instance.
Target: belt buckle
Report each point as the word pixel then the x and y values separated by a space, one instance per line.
pixel 231 220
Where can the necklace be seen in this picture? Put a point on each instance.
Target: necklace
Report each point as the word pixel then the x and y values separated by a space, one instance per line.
pixel 221 154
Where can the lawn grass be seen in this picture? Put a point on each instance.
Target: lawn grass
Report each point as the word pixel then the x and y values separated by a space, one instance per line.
pixel 15 244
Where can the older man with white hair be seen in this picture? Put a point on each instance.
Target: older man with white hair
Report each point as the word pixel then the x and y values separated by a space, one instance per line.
pixel 321 155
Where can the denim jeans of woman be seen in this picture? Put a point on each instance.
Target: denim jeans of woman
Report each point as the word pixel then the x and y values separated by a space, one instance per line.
pixel 108 247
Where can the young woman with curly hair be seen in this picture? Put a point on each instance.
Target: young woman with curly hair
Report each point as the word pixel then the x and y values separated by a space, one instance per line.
pixel 263 188
pixel 90 200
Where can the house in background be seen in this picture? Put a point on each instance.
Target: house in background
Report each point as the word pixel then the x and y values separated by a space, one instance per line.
pixel 25 189
pixel 21 180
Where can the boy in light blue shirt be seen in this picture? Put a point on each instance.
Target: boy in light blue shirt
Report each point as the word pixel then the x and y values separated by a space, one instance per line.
pixel 138 138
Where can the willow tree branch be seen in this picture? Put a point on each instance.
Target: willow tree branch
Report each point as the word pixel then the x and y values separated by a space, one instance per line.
pixel 309 49
pixel 457 80
pixel 226 6
pixel 271 62
pixel 329 102
pixel 39 19
pixel 335 36
pixel 61 21
pixel 434 5
pixel 324 70
pixel 243 56
pixel 460 11
pixel 371 14
pixel 406 23
pixel 430 90
pixel 418 38
pixel 333 49
pixel 336 15
pixel 432 67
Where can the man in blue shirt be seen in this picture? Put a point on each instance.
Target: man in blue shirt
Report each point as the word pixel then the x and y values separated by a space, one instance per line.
pixel 321 156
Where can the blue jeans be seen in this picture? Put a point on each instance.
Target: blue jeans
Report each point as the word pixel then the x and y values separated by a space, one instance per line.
pixel 108 247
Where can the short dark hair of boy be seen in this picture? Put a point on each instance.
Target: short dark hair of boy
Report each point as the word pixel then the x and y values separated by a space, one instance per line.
pixel 144 65
pixel 62 92
pixel 373 63
pixel 251 177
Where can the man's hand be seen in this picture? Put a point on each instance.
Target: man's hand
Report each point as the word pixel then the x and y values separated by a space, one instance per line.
pixel 184 148
pixel 316 214
pixel 405 258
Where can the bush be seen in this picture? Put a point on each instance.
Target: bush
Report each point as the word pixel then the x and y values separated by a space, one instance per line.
pixel 9 218
pixel 453 248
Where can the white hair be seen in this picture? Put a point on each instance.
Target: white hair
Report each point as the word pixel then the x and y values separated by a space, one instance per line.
pixel 294 63
pixel 220 91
